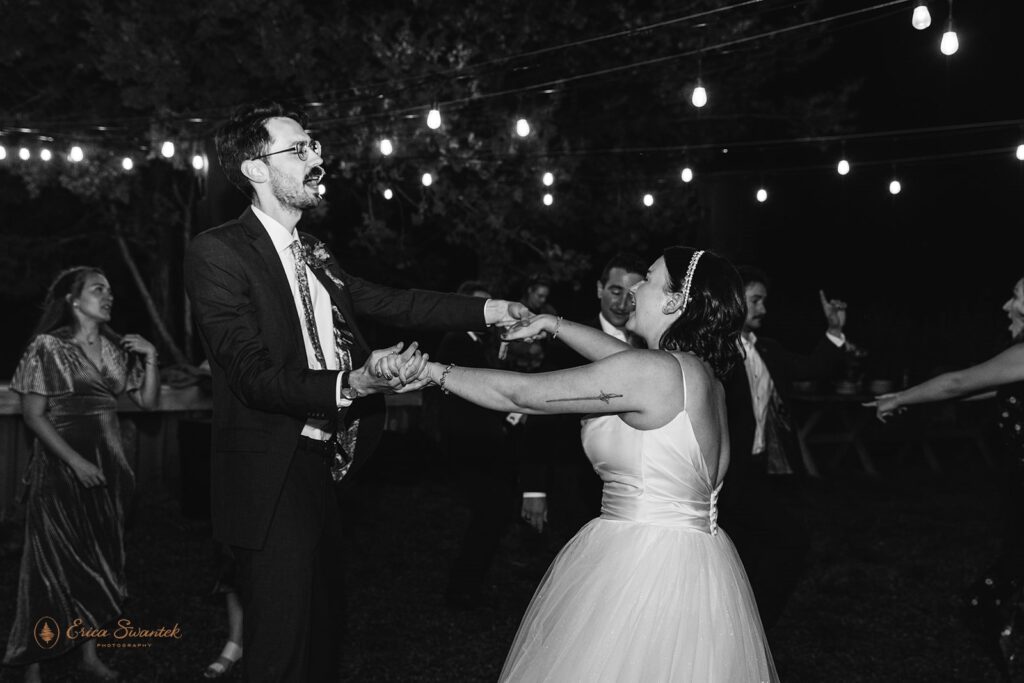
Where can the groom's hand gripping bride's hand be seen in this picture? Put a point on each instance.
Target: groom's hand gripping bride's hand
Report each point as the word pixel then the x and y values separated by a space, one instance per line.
pixel 388 370
pixel 529 329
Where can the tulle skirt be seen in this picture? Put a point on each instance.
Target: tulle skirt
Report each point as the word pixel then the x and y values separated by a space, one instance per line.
pixel 626 601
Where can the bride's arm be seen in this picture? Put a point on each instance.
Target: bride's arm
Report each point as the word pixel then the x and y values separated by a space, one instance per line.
pixel 631 382
pixel 591 343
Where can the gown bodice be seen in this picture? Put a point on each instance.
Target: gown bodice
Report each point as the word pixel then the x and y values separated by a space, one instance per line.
pixel 657 476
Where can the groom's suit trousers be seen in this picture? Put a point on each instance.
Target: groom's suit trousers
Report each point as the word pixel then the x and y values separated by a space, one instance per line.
pixel 289 588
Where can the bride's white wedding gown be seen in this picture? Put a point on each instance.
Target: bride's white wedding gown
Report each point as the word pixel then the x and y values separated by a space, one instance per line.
pixel 652 590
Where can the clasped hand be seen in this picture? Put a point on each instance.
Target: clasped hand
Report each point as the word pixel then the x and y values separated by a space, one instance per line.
pixel 393 370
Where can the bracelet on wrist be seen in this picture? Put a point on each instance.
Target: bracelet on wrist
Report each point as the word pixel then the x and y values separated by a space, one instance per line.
pixel 558 324
pixel 444 376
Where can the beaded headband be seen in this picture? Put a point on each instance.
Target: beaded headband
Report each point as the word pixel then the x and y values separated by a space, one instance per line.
pixel 688 280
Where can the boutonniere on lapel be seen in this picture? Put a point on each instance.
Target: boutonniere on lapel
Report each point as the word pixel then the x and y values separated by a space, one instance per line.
pixel 319 258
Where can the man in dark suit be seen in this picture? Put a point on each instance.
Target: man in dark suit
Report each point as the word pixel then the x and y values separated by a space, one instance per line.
pixel 764 456
pixel 557 465
pixel 298 395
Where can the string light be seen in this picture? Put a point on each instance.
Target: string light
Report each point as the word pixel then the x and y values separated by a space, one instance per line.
pixel 1020 153
pixel 427 180
pixel 321 189
pixel 687 174
pixel 167 149
pixel 921 18
pixel 522 128
pixel 127 163
pixel 24 154
pixel 3 152
pixel 199 162
pixel 549 199
pixel 45 154
pixel 548 179
pixel 386 148
pixel 843 167
pixel 648 199
pixel 434 119
pixel 388 194
pixel 762 195
pixel 699 98
pixel 895 187
pixel 76 154
pixel 950 44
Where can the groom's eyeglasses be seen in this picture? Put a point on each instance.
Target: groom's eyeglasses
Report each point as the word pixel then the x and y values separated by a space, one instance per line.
pixel 301 150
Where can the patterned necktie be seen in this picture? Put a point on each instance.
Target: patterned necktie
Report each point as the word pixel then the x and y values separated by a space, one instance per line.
pixel 307 303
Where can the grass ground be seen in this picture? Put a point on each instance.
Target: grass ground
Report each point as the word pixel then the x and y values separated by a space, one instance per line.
pixel 878 602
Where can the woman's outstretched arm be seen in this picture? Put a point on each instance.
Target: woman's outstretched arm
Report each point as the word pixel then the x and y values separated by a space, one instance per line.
pixel 589 342
pixel 1004 368
pixel 635 381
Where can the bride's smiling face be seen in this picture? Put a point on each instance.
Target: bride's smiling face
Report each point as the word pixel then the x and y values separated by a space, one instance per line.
pixel 649 296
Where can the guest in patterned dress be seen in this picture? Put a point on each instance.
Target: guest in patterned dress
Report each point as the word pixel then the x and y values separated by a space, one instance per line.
pixel 79 483
pixel 995 601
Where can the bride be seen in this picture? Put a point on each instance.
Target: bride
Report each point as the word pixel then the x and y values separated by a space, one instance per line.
pixel 652 590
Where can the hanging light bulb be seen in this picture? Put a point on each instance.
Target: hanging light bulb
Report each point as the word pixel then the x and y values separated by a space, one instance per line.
pixel 895 187
pixel 648 199
pixel 167 149
pixel 762 195
pixel 386 148
pixel 922 18
pixel 687 174
pixel 127 163
pixel 549 199
pixel 434 119
pixel 45 154
pixel 24 154
pixel 76 154
pixel 843 167
pixel 3 152
pixel 548 179
pixel 321 189
pixel 700 95
pixel 427 180
pixel 522 128
pixel 198 162
pixel 950 44
pixel 1020 153
pixel 388 194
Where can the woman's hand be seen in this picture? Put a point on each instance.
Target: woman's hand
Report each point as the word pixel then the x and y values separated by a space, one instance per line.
pixel 136 343
pixel 537 327
pixel 88 474
pixel 886 405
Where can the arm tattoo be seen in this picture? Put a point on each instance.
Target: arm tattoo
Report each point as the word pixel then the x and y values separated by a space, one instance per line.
pixel 603 397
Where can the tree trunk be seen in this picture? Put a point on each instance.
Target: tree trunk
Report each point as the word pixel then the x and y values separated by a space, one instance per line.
pixel 158 323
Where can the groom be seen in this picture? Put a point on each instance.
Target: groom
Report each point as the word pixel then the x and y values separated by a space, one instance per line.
pixel 297 393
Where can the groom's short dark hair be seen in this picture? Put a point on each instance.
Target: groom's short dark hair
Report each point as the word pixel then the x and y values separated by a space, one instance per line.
pixel 245 136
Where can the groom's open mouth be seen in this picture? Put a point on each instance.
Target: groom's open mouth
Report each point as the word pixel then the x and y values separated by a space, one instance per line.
pixel 314 177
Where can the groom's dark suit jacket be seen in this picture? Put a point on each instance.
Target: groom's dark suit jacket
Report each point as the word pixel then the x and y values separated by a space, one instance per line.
pixel 785 367
pixel 263 389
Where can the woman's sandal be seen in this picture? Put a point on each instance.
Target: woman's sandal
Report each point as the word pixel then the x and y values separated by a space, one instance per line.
pixel 229 656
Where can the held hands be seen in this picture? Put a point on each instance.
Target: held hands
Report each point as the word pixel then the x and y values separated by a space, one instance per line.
pixel 504 313
pixel 835 312
pixel 537 327
pixel 391 371
pixel 886 406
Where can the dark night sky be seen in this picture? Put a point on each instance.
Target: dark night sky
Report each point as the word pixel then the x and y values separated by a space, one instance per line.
pixel 925 272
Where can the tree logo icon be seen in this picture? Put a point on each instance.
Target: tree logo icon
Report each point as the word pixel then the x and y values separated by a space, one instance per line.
pixel 47 633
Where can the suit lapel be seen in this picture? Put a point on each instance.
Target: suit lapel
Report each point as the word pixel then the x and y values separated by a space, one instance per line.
pixel 277 279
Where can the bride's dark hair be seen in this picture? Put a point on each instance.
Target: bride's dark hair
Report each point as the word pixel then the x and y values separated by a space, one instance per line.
pixel 710 324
